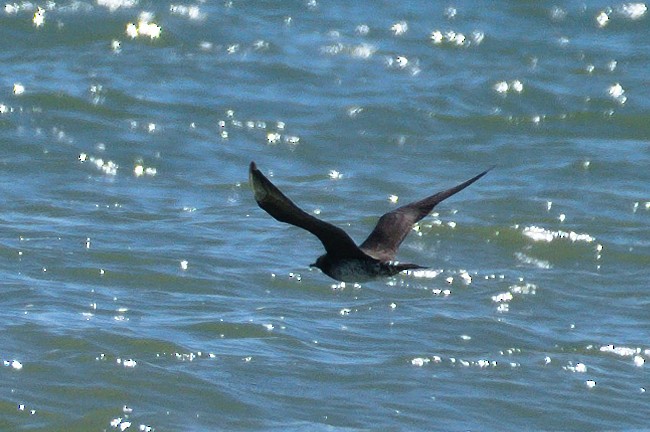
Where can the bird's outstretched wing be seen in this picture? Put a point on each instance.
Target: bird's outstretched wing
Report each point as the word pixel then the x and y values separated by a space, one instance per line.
pixel 336 241
pixel 393 227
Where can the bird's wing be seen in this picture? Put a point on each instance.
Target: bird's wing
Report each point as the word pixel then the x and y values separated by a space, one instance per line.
pixel 393 227
pixel 336 241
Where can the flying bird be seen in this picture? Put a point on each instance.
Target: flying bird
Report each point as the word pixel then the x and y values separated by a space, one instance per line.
pixel 343 259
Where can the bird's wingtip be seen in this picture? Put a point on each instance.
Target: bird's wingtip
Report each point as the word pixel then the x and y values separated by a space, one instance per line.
pixel 252 169
pixel 260 184
pixel 490 168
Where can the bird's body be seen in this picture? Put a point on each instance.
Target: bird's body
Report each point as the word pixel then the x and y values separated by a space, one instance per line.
pixel 360 269
pixel 344 260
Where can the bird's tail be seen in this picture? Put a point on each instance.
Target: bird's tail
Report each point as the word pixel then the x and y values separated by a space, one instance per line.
pixel 395 267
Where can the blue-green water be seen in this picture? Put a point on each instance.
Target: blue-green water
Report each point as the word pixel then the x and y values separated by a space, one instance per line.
pixel 142 287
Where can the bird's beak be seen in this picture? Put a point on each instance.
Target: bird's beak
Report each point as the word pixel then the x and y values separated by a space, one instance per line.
pixel 312 265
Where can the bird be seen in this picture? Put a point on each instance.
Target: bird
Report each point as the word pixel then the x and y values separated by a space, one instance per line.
pixel 343 259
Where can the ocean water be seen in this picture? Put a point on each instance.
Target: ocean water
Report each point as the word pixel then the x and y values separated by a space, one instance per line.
pixel 144 289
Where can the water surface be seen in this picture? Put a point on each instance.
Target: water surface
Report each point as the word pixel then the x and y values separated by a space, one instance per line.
pixel 143 287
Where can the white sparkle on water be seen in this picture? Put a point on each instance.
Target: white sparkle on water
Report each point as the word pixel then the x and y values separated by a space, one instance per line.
pixel 617 93
pixel 39 17
pixel 399 28
pixel 633 11
pixel 113 5
pixel 273 137
pixel 420 361
pixel 540 234
pixel 335 175
pixel 143 28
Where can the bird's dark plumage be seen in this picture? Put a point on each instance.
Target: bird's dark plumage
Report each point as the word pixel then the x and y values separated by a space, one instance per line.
pixel 344 260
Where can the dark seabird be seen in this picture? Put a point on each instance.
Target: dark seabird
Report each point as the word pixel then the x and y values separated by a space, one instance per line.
pixel 344 260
